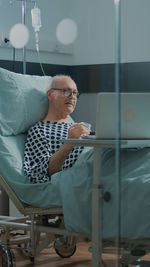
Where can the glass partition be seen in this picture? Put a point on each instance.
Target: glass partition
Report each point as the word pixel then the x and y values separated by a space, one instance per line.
pixel 133 132
pixel 104 46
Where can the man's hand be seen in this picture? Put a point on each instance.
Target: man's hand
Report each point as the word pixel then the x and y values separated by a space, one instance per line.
pixel 76 130
pixel 58 158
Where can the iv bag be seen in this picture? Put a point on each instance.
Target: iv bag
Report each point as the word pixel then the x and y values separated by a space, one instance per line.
pixel 36 18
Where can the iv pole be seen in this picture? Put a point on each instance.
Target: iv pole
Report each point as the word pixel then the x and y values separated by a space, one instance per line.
pixel 24 22
pixel 24 4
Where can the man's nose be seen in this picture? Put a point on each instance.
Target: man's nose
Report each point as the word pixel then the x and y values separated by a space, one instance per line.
pixel 72 94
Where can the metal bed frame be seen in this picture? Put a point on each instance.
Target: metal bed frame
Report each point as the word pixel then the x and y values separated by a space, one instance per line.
pixel 35 236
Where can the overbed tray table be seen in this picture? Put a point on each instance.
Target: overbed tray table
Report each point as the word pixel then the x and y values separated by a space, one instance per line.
pixel 98 144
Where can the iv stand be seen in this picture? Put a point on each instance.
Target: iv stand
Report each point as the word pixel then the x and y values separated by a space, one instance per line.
pixel 24 21
pixel 24 4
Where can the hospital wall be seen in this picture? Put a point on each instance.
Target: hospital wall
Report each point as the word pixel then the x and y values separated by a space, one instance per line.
pixel 90 60
pixel 95 42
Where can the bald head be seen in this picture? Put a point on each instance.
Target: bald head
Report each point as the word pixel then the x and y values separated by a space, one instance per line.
pixel 57 79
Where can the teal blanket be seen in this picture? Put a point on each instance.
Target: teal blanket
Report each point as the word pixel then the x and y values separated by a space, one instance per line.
pixel 75 190
pixel 71 188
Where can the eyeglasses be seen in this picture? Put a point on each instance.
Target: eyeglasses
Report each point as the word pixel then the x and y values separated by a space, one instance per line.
pixel 68 92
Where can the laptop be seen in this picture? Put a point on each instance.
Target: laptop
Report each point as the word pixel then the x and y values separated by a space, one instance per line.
pixel 134 116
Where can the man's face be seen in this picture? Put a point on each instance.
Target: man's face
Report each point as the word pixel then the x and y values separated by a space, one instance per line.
pixel 62 101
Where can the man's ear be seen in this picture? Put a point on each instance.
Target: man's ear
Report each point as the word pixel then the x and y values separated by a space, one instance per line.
pixel 48 93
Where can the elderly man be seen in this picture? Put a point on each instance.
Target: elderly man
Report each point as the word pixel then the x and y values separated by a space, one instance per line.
pixel 44 152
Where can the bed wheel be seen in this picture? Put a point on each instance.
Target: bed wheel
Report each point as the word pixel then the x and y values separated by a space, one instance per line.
pixel 64 248
pixel 31 258
pixel 7 257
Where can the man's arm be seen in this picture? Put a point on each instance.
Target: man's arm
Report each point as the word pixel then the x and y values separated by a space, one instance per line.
pixel 59 157
pixel 57 160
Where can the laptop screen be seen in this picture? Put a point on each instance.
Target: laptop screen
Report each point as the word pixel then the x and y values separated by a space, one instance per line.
pixel 134 116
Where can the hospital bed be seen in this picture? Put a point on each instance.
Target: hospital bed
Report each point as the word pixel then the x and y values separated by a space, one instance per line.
pixel 22 103
pixel 14 115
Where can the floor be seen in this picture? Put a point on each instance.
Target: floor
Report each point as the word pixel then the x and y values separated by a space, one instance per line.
pixel 49 258
pixel 82 258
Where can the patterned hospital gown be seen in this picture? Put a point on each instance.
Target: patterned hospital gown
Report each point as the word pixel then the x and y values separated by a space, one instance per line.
pixel 43 140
